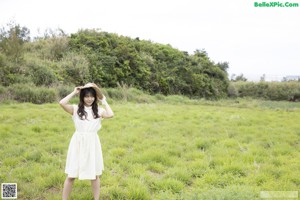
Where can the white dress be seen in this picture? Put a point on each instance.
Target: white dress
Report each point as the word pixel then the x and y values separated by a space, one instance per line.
pixel 84 158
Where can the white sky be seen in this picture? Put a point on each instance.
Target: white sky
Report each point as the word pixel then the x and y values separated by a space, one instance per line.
pixel 255 41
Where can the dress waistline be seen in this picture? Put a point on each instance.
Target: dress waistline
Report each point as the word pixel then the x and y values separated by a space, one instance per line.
pixel 85 132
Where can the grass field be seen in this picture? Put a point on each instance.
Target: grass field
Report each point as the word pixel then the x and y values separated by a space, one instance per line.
pixel 207 150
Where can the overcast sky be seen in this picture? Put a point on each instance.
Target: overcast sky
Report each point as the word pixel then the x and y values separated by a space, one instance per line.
pixel 254 40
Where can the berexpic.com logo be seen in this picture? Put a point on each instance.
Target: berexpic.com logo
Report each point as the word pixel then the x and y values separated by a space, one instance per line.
pixel 276 4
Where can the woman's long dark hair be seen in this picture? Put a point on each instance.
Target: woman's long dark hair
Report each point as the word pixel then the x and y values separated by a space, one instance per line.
pixel 81 112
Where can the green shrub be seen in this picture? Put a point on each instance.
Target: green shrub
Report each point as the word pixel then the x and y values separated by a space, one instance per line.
pixel 42 76
pixel 160 97
pixel 232 90
pixel 176 98
pixel 52 48
pixel 30 93
pixel 44 95
pixel 115 93
pixel 2 59
pixel 2 90
pixel 277 91
pixel 75 68
pixel 128 94
pixel 64 90
pixel 40 71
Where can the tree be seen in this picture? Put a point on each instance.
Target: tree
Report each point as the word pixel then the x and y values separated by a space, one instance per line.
pixel 153 67
pixel 263 78
pixel 12 39
pixel 240 78
pixel 75 68
pixel 223 66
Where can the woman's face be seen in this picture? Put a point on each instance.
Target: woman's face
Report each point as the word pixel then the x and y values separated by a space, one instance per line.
pixel 88 99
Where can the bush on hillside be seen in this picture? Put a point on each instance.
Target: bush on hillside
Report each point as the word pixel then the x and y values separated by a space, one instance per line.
pixel 277 91
pixel 30 93
pixel 64 90
pixel 40 73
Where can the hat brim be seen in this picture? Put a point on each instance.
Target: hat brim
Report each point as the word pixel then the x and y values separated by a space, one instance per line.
pixel 95 87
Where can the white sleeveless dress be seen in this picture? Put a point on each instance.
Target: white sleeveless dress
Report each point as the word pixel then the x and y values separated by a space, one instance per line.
pixel 84 159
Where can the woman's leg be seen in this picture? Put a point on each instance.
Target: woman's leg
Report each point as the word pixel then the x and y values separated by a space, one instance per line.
pixel 96 188
pixel 67 188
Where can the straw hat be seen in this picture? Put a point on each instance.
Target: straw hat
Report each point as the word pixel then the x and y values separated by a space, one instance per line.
pixel 96 88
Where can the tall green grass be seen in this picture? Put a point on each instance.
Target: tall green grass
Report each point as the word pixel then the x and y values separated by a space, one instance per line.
pixel 237 92
pixel 180 150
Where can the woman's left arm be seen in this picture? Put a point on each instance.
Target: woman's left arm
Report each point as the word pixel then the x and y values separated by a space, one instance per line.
pixel 108 113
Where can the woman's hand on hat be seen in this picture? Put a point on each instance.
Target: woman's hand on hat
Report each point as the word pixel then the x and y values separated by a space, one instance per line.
pixel 103 100
pixel 77 90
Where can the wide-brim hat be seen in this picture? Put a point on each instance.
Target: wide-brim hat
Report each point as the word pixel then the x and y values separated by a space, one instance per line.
pixel 95 87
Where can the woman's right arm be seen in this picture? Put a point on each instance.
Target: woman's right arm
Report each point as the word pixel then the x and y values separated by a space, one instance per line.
pixel 64 102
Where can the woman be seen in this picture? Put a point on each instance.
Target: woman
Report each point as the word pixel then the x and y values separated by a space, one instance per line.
pixel 84 158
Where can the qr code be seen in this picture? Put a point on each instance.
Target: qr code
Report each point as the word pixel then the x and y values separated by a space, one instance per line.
pixel 9 191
